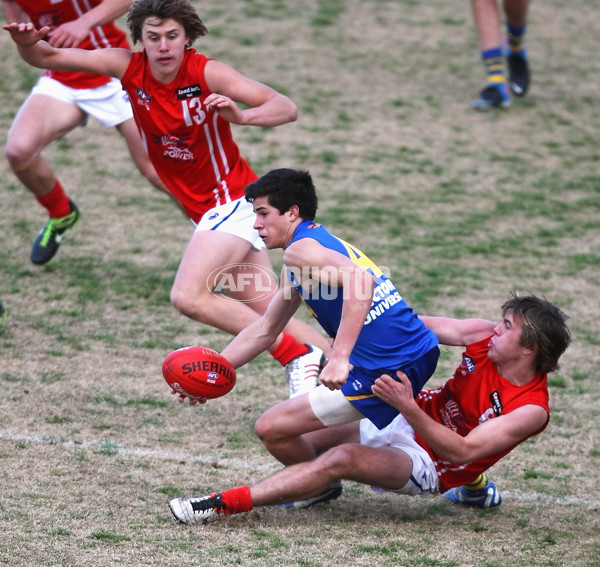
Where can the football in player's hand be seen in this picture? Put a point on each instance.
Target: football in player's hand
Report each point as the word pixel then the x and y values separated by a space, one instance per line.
pixel 198 372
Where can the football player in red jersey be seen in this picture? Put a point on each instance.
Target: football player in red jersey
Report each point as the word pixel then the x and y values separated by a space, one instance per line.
pixel 444 439
pixel 61 101
pixel 184 103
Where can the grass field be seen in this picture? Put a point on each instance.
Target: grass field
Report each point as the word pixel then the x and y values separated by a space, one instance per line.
pixel 462 207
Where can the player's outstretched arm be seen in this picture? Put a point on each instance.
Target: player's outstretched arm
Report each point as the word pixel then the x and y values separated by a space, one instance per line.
pixel 459 332
pixel 488 438
pixel 264 105
pixel 262 334
pixel 24 34
pixel 39 53
pixel 259 336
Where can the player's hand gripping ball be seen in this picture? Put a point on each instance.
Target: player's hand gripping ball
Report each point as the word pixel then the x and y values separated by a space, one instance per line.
pixel 198 372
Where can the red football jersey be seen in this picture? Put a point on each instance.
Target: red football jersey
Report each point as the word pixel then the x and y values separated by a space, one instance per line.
pixel 190 145
pixel 55 12
pixel 476 393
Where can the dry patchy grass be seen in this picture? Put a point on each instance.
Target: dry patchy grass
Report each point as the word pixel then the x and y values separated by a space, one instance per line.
pixel 462 207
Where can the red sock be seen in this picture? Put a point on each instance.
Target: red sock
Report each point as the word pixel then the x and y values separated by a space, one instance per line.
pixel 288 349
pixel 237 500
pixel 56 202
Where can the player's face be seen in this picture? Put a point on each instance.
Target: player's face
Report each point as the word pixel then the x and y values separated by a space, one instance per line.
pixel 164 42
pixel 274 228
pixel 505 344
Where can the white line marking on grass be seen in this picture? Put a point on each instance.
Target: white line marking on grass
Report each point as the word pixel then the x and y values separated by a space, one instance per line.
pixel 95 446
pixel 246 465
pixel 548 499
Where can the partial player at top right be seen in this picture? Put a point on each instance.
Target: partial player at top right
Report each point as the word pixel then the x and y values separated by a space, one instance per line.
pixel 506 64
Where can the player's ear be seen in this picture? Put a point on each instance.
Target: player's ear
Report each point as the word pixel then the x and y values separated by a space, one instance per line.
pixel 294 212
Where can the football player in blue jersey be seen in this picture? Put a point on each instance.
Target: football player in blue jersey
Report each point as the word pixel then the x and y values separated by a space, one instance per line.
pixel 372 328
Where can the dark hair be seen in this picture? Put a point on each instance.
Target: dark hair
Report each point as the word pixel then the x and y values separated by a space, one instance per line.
pixel 544 328
pixel 286 187
pixel 179 10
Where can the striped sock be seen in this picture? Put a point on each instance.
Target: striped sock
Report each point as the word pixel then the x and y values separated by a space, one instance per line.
pixel 493 61
pixel 477 484
pixel 516 34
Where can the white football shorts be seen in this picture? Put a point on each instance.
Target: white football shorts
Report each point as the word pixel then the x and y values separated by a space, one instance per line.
pixel 332 408
pixel 400 434
pixel 109 103
pixel 236 217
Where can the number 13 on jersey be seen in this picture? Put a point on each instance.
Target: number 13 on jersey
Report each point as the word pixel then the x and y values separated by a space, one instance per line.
pixel 193 113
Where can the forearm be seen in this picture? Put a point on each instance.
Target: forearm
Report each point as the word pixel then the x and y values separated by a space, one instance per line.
pixel 489 437
pixel 248 344
pixel 354 314
pixel 459 332
pixel 277 110
pixel 398 393
pixel 13 12
pixel 445 442
pixel 40 54
pixel 106 11
pixel 262 334
pixel 34 50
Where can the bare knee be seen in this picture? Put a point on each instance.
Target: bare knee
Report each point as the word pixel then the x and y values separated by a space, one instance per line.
pixel 19 155
pixel 178 299
pixel 275 426
pixel 266 430
pixel 189 304
pixel 338 462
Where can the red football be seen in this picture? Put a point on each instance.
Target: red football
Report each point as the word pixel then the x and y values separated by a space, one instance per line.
pixel 199 372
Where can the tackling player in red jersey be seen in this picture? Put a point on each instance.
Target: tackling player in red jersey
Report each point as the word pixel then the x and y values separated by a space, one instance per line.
pixel 497 398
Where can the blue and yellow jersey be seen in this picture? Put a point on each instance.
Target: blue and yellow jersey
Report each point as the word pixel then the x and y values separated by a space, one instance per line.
pixel 392 334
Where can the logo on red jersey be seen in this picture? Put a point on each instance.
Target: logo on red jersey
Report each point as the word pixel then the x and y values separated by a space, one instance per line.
pixel 188 92
pixel 496 402
pixel 175 147
pixel 467 365
pixel 169 139
pixel 143 98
